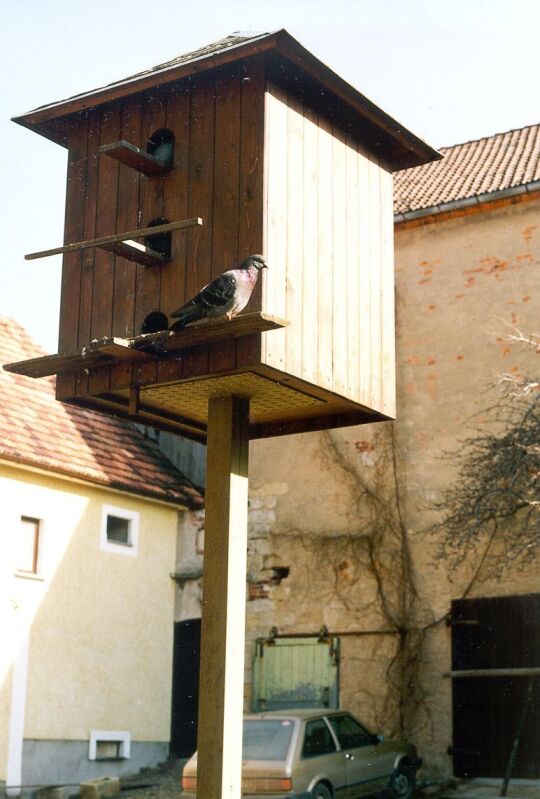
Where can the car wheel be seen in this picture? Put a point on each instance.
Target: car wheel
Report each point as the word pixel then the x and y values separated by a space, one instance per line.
pixel 321 791
pixel 402 783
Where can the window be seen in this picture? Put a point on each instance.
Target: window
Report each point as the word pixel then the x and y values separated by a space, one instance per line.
pixel 28 536
pixel 266 739
pixel 350 732
pixel 108 750
pixel 119 530
pixel 109 745
pixel 317 739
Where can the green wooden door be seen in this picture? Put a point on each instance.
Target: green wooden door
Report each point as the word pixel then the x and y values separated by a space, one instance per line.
pixel 296 672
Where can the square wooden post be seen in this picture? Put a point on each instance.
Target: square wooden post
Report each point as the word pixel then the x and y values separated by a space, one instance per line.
pixel 221 688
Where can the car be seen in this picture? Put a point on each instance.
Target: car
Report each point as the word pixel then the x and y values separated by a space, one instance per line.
pixel 317 754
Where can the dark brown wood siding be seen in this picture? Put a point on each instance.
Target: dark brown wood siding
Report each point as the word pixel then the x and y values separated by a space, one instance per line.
pixel 218 123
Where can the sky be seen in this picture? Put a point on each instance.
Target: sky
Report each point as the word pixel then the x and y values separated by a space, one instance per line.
pixel 448 71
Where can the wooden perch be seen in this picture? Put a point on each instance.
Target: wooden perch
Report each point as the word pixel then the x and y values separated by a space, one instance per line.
pixel 132 156
pixel 207 332
pixel 133 251
pixel 116 237
pixel 146 347
pixel 99 353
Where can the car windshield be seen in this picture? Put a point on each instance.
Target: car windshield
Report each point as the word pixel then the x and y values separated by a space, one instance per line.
pixel 266 739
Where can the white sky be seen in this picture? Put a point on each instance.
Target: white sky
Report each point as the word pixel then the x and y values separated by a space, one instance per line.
pixel 449 70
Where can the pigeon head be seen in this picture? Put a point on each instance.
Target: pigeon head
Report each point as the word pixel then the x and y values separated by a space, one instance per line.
pixel 256 261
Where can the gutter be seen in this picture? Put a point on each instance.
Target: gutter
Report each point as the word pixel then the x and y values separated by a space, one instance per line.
pixel 467 202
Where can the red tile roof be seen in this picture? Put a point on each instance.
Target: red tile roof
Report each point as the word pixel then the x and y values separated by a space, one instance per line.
pixel 37 430
pixel 476 168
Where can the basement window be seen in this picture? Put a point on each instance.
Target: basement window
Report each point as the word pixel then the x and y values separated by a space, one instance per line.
pixel 109 745
pixel 119 530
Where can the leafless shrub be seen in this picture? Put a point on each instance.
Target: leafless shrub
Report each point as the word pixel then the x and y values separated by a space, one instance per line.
pixel 495 499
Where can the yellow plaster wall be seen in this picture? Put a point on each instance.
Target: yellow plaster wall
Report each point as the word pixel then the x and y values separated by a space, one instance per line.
pixel 101 623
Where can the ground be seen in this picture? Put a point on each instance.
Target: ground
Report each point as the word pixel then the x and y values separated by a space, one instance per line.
pixel 166 784
pixel 156 784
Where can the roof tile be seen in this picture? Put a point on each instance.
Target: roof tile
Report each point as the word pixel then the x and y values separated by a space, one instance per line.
pixel 94 447
pixel 492 164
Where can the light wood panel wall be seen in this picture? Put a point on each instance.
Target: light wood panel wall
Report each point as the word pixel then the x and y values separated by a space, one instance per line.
pixel 328 242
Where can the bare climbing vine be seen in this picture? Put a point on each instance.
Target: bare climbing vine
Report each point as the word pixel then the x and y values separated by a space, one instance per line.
pixel 378 500
pixel 369 571
pixel 368 568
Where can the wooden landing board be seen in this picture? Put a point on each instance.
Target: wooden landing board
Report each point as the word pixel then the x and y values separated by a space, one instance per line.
pixel 133 251
pixel 145 347
pixel 97 354
pixel 243 325
pixel 132 156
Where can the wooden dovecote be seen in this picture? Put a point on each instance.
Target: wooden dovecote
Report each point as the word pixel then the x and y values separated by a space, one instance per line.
pixel 272 152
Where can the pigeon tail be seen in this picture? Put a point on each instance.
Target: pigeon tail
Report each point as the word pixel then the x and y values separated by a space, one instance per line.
pixel 191 313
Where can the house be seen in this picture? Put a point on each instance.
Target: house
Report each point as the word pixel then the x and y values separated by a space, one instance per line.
pixel 350 603
pixel 87 545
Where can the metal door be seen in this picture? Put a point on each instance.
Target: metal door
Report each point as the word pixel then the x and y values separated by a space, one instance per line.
pixel 296 672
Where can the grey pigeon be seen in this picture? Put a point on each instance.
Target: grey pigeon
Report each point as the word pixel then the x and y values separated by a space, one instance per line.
pixel 224 297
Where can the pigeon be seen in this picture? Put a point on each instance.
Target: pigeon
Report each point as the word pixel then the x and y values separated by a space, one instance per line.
pixel 224 297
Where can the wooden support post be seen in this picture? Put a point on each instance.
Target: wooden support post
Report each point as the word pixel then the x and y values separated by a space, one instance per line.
pixel 221 688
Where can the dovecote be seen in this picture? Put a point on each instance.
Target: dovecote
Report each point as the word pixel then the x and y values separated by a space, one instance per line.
pixel 249 145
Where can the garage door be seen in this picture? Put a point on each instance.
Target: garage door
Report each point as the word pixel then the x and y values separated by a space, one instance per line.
pixel 295 673
pixel 496 634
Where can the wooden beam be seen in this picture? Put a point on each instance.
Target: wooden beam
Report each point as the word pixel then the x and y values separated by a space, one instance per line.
pixel 134 394
pixel 526 672
pixel 132 156
pixel 116 237
pixel 221 685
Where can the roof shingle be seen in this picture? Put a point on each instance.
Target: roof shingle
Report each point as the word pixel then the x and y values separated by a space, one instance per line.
pixel 37 430
pixel 473 169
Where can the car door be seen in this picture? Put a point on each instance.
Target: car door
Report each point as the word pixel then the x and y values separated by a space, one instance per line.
pixel 365 772
pixel 319 760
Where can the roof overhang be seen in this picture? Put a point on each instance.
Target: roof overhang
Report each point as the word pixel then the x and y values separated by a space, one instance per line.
pixel 478 201
pixel 403 149
pixel 26 464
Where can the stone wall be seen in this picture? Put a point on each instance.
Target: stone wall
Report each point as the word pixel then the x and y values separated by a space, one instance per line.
pixel 350 516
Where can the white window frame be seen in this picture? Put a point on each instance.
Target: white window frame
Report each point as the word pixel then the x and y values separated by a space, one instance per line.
pixel 132 547
pixel 38 573
pixel 123 737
